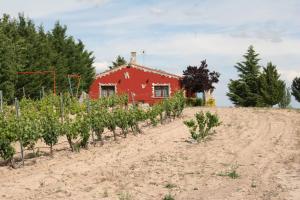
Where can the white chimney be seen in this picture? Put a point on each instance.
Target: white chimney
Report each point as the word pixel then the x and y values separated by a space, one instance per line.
pixel 133 58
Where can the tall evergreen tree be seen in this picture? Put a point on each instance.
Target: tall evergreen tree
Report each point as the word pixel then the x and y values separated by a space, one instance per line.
pixel 245 90
pixel 286 99
pixel 119 62
pixel 25 47
pixel 296 88
pixel 271 88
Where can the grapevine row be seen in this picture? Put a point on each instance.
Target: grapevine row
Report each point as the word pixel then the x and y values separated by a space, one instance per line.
pixel 52 117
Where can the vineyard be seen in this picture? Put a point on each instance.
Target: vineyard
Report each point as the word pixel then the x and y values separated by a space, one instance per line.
pixel 81 123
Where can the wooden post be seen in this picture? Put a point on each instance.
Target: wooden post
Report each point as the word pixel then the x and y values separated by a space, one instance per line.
pixel 24 94
pixel 18 113
pixel 70 85
pixel 43 91
pixel 88 107
pixel 62 108
pixel 1 101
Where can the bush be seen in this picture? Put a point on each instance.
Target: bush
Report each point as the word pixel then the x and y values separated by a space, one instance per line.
pixel 211 103
pixel 194 101
pixel 201 127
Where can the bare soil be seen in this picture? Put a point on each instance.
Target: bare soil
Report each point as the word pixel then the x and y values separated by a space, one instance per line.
pixel 261 145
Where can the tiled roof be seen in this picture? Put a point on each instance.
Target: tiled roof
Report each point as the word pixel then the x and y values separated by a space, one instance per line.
pixel 143 68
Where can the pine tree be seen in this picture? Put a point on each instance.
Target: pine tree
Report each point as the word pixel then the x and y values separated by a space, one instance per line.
pixel 245 90
pixel 119 62
pixel 271 88
pixel 286 99
pixel 296 88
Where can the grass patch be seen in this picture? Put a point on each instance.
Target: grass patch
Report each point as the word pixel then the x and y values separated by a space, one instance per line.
pixel 168 197
pixel 170 186
pixel 232 173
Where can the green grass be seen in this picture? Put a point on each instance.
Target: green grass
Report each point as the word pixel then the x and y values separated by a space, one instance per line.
pixel 168 197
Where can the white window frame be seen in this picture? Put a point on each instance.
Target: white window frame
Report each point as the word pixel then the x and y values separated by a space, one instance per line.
pixel 160 84
pixel 106 84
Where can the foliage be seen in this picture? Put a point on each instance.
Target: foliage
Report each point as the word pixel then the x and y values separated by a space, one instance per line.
pixel 26 47
pixel 7 137
pixel 286 99
pixel 168 197
pixel 296 88
pixel 245 90
pixel 211 103
pixel 194 101
pixel 199 79
pixel 119 62
pixel 271 87
pixel 201 127
pixel 53 116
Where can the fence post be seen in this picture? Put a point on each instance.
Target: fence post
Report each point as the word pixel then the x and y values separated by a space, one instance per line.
pixel 18 113
pixel 43 91
pixel 88 107
pixel 24 94
pixel 1 101
pixel 62 108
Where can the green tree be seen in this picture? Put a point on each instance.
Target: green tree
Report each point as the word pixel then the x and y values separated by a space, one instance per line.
pixel 119 62
pixel 245 90
pixel 296 88
pixel 270 86
pixel 286 99
pixel 25 47
pixel 7 67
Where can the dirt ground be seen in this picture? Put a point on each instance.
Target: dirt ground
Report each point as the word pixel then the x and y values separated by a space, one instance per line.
pixel 262 145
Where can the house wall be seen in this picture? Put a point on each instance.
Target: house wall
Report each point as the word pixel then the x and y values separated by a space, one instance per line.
pixel 134 80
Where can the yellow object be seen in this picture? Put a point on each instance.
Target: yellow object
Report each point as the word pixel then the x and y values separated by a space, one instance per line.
pixel 211 103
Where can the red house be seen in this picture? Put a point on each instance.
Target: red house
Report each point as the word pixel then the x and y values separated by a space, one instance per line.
pixel 142 84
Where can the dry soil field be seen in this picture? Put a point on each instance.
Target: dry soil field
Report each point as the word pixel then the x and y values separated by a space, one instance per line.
pixel 262 144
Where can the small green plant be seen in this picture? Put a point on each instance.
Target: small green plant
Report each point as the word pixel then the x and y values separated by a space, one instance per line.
pixel 125 196
pixel 232 173
pixel 168 197
pixel 170 186
pixel 202 126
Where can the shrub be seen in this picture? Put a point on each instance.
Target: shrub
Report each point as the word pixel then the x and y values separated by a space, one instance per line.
pixel 194 101
pixel 201 127
pixel 211 102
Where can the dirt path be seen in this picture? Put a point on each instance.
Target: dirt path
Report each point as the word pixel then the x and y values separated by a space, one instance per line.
pixel 262 144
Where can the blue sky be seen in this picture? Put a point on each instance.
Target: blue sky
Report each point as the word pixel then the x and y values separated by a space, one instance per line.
pixel 175 33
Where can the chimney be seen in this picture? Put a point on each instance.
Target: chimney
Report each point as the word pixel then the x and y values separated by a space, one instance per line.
pixel 133 58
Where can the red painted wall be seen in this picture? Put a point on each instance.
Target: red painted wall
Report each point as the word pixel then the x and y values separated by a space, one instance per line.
pixel 137 77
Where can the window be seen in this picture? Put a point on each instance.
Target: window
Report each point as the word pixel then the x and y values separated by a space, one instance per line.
pixel 107 90
pixel 161 91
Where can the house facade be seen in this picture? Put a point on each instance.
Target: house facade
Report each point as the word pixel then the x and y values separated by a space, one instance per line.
pixel 140 83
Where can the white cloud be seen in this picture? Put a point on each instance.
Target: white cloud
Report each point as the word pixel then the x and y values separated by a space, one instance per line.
pixel 289 75
pixel 44 8
pixel 101 66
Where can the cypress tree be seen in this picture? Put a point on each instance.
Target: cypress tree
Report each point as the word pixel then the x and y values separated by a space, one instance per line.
pixel 296 88
pixel 271 88
pixel 25 47
pixel 245 90
pixel 286 99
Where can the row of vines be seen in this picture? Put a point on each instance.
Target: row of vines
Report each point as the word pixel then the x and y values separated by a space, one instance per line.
pixel 81 123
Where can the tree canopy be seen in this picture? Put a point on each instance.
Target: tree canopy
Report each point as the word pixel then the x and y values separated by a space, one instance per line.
pixel 119 62
pixel 271 88
pixel 245 90
pixel 255 88
pixel 199 78
pixel 296 88
pixel 27 47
